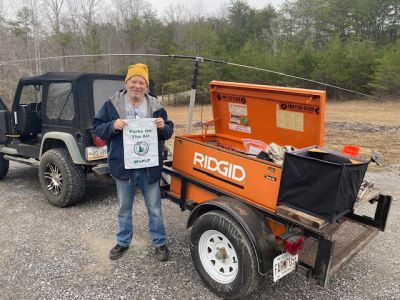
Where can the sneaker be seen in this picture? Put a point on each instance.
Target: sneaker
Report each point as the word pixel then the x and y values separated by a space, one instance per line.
pixel 117 251
pixel 162 253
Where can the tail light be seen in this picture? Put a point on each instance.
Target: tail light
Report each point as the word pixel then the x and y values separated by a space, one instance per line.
pixel 292 242
pixel 98 142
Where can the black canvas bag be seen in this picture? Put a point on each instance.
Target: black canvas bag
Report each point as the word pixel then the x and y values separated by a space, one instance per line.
pixel 321 182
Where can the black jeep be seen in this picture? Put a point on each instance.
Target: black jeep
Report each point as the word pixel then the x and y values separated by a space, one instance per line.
pixel 50 125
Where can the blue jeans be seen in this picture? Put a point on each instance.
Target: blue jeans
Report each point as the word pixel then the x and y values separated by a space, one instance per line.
pixel 126 194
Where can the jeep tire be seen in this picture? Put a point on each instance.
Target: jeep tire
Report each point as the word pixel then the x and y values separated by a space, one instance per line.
pixel 223 255
pixel 63 183
pixel 4 165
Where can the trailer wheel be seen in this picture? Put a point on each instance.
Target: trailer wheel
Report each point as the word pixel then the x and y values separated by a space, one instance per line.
pixel 4 165
pixel 223 255
pixel 63 183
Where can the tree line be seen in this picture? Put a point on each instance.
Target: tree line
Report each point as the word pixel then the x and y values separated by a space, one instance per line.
pixel 352 44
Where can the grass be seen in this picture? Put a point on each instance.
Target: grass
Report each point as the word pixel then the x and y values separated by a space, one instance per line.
pixel 374 126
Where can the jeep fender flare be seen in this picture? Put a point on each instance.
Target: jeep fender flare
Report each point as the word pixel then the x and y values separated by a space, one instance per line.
pixel 69 141
pixel 253 223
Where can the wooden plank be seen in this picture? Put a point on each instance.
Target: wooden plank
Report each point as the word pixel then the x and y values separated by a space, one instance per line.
pixel 301 216
pixel 368 194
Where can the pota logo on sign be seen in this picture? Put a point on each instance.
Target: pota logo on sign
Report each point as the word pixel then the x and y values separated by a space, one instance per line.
pixel 141 148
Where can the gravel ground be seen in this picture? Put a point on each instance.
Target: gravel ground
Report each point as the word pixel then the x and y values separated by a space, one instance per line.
pixel 52 253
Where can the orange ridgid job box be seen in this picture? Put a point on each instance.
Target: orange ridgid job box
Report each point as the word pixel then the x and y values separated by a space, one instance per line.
pixel 270 114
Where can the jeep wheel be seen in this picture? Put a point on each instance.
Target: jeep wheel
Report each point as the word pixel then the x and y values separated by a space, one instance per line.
pixel 4 165
pixel 62 181
pixel 223 255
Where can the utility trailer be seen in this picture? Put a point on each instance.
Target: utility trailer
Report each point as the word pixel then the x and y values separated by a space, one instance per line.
pixel 251 216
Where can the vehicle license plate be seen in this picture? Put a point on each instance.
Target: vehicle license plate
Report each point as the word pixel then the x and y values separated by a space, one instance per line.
pixel 94 153
pixel 284 264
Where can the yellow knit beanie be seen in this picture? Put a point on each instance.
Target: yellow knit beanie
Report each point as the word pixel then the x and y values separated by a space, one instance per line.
pixel 138 70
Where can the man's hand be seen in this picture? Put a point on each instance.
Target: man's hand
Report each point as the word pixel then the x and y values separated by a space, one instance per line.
pixel 160 123
pixel 119 124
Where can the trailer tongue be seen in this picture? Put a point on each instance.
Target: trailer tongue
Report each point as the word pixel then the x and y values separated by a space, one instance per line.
pixel 250 215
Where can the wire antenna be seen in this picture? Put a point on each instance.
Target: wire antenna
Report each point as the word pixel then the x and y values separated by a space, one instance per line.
pixel 197 58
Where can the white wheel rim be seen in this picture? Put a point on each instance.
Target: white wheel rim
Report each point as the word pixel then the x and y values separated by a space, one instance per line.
pixel 53 178
pixel 218 256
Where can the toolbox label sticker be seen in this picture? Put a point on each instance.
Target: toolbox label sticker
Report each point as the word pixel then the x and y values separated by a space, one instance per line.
pixel 241 128
pixel 269 177
pixel 289 119
pixel 231 98
pixel 219 167
pixel 234 119
pixel 242 120
pixel 237 109
pixel 299 107
pixel 238 114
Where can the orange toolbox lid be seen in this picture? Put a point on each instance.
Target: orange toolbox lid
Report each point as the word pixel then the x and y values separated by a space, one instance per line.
pixel 286 116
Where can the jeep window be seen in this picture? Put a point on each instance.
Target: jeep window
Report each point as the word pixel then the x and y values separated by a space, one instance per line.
pixel 31 94
pixel 60 101
pixel 103 89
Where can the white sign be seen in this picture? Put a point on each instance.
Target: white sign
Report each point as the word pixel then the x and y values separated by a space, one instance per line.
pixel 140 143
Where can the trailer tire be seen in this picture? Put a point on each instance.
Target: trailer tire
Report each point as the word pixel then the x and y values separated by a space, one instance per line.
pixel 63 182
pixel 4 165
pixel 223 255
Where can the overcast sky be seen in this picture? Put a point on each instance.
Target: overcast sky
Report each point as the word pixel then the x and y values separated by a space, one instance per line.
pixel 209 4
pixel 208 7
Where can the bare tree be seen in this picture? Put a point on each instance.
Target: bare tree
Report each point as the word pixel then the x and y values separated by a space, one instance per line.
pixel 1 11
pixel 176 16
pixel 34 4
pixel 176 13
pixel 53 10
pixel 74 26
pixel 91 35
pixel 89 11
pixel 131 17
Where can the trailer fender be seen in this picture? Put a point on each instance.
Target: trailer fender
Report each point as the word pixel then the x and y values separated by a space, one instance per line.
pixel 253 223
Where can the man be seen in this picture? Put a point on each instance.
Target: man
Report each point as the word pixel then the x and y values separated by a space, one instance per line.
pixel 134 102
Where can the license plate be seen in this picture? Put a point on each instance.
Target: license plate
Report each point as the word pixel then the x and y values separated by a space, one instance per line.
pixel 94 153
pixel 284 264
